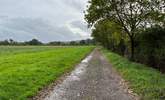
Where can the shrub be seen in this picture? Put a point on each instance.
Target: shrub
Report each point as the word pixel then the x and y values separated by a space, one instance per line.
pixel 151 47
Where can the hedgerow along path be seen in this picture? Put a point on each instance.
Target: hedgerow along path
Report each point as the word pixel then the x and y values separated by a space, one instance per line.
pixel 25 70
pixel 147 82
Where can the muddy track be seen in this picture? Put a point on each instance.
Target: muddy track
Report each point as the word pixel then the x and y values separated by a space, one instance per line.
pixel 93 79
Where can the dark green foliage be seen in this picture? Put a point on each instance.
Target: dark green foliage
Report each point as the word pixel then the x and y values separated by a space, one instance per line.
pixel 121 47
pixel 55 43
pixel 34 42
pixel 15 43
pixel 151 47
pixel 118 24
pixel 11 42
pixel 5 42
pixel 130 15
pixel 76 42
pixel 110 36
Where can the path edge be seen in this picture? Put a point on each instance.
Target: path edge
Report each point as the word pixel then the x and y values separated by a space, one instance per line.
pixel 46 90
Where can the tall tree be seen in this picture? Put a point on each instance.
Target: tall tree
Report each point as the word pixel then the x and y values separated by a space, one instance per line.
pixel 129 14
pixel 107 33
pixel 34 42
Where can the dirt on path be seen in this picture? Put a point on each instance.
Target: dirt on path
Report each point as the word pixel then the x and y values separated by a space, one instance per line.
pixel 93 79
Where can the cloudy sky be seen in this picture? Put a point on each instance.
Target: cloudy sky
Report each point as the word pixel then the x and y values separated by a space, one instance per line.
pixel 46 20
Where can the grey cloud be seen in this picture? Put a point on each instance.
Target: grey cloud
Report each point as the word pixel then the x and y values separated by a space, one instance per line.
pixel 43 19
pixel 36 28
pixel 79 24
pixel 77 4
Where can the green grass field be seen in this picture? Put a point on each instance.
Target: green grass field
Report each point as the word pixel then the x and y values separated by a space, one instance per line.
pixel 25 70
pixel 146 82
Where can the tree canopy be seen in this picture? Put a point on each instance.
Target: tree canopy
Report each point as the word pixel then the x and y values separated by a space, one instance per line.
pixel 130 15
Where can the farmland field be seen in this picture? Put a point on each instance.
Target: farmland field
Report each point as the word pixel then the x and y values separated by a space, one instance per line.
pixel 25 70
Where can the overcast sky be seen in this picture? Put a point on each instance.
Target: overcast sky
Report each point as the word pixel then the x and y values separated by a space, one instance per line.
pixel 46 20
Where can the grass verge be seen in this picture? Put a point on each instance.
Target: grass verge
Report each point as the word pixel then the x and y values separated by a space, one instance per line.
pixel 148 83
pixel 25 71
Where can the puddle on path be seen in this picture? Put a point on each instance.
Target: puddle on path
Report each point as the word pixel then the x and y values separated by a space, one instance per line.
pixel 60 89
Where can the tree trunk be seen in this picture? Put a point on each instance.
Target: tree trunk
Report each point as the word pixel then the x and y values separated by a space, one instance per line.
pixel 132 48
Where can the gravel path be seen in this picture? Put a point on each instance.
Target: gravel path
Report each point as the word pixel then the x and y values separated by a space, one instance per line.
pixel 93 79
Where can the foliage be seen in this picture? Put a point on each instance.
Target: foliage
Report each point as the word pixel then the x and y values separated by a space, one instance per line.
pixel 12 42
pixel 151 48
pixel 25 70
pixel 129 14
pixel 109 35
pixel 74 43
pixel 146 82
pixel 34 42
pixel 54 43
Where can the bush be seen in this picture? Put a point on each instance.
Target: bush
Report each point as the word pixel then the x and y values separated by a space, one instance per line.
pixel 151 47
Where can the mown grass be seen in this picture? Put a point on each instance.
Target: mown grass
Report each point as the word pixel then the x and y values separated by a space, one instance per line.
pixel 148 83
pixel 25 70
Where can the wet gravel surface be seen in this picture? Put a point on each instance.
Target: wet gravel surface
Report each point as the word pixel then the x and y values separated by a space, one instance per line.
pixel 93 79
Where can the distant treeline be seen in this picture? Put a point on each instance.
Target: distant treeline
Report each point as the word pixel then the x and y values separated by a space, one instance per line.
pixel 54 43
